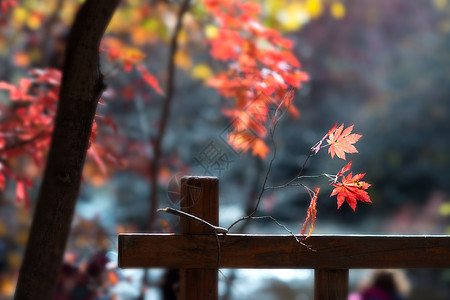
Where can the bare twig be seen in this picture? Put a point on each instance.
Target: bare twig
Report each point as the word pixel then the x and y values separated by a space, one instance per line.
pixel 292 182
pixel 183 214
pixel 285 228
pixel 269 169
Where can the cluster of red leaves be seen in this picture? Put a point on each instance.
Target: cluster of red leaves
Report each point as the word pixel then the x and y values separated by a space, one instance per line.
pixel 351 188
pixel 261 68
pixel 129 57
pixel 27 125
pixel 6 5
pixel 347 188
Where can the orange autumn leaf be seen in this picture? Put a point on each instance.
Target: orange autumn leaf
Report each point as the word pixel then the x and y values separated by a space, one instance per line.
pixel 113 278
pixel 311 214
pixel 260 148
pixel 150 79
pixel 351 189
pixel 341 141
pixel 241 141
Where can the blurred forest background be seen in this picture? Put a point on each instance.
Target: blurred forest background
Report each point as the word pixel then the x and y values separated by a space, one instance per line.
pixel 382 65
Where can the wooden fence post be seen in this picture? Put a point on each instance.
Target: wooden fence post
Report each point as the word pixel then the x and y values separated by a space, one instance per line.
pixel 199 197
pixel 331 284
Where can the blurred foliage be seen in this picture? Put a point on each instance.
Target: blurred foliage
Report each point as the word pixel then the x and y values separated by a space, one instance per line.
pixel 383 65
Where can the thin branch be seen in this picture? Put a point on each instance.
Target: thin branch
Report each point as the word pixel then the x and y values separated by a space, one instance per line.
pixel 285 228
pixel 275 122
pixel 165 113
pixel 277 223
pixel 285 186
pixel 183 214
pixel 292 182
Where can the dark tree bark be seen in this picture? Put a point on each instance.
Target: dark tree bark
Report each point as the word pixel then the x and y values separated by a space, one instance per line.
pixel 81 88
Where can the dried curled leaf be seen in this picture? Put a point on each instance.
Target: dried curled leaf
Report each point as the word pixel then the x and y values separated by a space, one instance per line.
pixel 311 214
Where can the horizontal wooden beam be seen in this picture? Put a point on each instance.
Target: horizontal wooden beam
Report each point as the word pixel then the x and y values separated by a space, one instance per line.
pixel 278 251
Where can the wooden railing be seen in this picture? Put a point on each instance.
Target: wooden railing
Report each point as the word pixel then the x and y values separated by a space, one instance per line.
pixel 198 253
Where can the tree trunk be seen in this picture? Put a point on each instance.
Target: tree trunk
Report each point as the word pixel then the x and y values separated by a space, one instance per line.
pixel 81 88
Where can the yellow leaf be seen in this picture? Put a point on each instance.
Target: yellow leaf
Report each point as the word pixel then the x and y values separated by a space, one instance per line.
pixel 183 38
pixel 338 10
pixel 445 209
pixel 20 15
pixel 273 6
pixel 294 17
pixel 211 31
pixel 314 8
pixel 183 60
pixel 34 22
pixel 202 71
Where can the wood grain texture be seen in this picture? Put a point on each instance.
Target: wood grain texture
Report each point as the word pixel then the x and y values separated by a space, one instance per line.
pixel 330 284
pixel 199 197
pixel 277 251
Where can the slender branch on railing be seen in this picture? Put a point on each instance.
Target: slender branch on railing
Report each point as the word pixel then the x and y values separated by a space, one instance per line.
pixel 275 122
pixel 292 182
pixel 285 228
pixel 215 229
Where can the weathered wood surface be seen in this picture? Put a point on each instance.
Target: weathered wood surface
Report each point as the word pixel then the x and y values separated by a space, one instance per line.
pixel 199 197
pixel 277 251
pixel 330 284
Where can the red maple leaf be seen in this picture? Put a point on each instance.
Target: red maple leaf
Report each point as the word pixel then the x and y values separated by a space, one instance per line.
pixel 341 141
pixel 351 189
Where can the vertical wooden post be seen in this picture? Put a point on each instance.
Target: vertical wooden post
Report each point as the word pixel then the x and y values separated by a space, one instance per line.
pixel 330 284
pixel 199 197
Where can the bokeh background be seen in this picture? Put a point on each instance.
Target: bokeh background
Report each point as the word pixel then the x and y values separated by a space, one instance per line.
pixel 382 65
